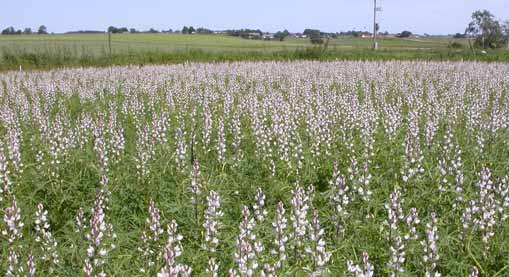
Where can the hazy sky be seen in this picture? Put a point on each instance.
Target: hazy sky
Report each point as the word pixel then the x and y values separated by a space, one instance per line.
pixel 423 16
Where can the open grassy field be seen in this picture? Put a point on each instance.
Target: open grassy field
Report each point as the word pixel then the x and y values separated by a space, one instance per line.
pixel 139 42
pixel 169 42
pixel 49 51
pixel 303 168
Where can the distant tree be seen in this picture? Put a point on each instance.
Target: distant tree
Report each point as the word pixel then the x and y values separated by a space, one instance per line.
pixel 42 30
pixel 245 33
pixel 485 29
pixel 133 31
pixel 459 35
pixel 153 31
pixel 315 36
pixel 505 31
pixel 8 31
pixel 202 30
pixel 27 31
pixel 115 30
pixel 85 32
pixel 185 30
pixel 308 32
pixel 281 35
pixel 191 30
pixel 404 34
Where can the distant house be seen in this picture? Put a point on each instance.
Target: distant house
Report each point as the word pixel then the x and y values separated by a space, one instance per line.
pixel 253 36
pixel 268 36
pixel 298 35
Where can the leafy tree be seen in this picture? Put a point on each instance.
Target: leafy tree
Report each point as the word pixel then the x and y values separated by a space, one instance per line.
pixel 153 31
pixel 459 35
pixel 281 35
pixel 191 30
pixel 115 30
pixel 308 32
pixel 42 30
pixel 314 36
pixel 9 31
pixel 404 34
pixel 132 31
pixel 505 31
pixel 185 30
pixel 485 29
pixel 202 30
pixel 27 31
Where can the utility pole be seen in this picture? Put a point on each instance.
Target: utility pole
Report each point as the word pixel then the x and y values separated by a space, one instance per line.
pixel 109 42
pixel 375 43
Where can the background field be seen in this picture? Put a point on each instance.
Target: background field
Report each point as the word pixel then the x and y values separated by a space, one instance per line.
pixel 171 42
pixel 48 51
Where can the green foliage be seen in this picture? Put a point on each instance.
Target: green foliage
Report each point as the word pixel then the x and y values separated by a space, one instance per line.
pixel 315 36
pixel 42 30
pixel 42 52
pixel 455 45
pixel 236 183
pixel 202 30
pixel 404 34
pixel 281 35
pixel 486 30
pixel 63 57
pixel 188 30
pixel 10 31
pixel 245 33
pixel 115 30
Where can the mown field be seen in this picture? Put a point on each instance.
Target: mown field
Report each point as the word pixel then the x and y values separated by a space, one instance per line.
pixel 256 169
pixel 50 51
pixel 169 42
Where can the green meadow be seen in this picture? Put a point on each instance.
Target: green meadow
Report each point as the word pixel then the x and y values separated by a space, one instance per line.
pixel 74 50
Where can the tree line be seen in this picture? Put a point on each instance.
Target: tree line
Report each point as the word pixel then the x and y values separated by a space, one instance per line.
pixel 27 31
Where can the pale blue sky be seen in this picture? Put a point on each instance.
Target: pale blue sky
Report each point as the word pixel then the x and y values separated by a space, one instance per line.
pixel 423 16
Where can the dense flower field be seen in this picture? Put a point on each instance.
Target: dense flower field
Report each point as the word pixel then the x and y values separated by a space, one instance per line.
pixel 264 169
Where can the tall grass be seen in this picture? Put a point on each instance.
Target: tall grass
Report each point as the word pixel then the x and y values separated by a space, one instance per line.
pixel 12 58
